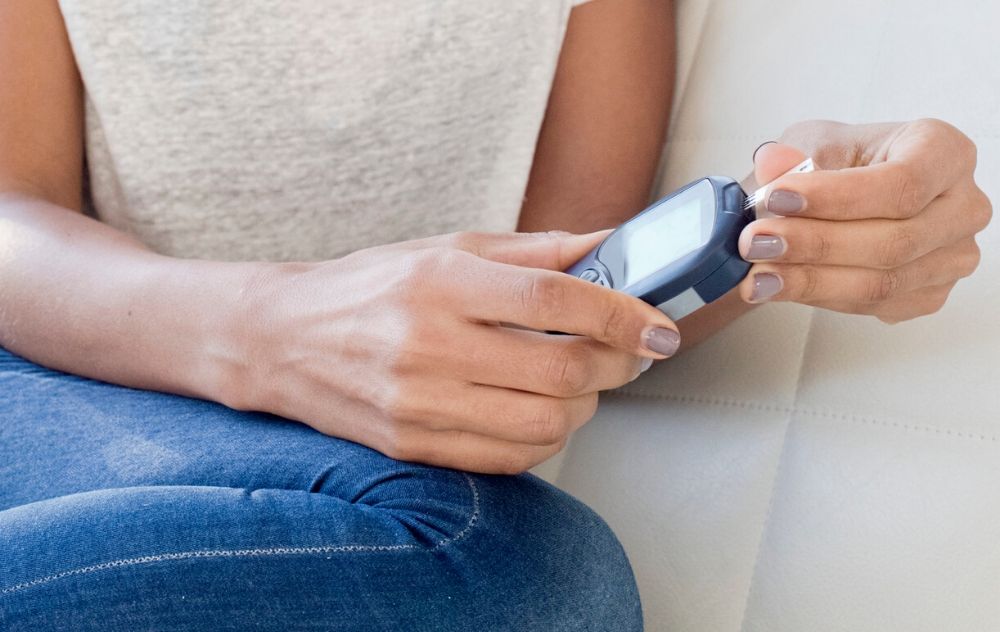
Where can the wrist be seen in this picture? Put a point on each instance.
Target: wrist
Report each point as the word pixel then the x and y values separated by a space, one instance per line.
pixel 236 337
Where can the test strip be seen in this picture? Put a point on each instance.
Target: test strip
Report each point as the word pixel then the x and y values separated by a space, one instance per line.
pixel 756 200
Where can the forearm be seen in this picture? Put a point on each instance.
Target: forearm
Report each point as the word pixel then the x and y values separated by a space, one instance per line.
pixel 601 141
pixel 600 146
pixel 79 296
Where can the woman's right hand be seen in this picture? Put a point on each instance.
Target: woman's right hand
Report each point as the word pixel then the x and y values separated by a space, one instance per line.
pixel 406 348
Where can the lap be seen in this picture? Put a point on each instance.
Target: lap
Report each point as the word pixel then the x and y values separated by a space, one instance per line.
pixel 64 434
pixel 141 501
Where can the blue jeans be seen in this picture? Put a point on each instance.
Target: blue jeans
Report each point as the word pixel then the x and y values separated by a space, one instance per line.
pixel 131 510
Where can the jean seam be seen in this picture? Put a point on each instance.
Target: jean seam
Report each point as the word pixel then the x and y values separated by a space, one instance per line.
pixel 261 552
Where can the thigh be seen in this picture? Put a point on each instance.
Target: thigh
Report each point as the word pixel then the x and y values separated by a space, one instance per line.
pixel 62 434
pixel 130 510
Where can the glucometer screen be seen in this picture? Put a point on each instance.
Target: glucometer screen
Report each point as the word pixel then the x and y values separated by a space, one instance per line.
pixel 670 233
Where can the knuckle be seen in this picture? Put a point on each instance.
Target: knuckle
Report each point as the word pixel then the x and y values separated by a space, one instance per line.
pixel 967 149
pixel 403 407
pixel 540 294
pixel 890 319
pixel 964 146
pixel 581 414
pixel 899 247
pixel 568 371
pixel 961 145
pixel 883 286
pixel 615 320
pixel 402 355
pixel 809 283
pixel 591 409
pixel 970 262
pixel 803 133
pixel 982 211
pixel 428 263
pixel 932 127
pixel 398 445
pixel 937 303
pixel 457 241
pixel 464 241
pixel 819 248
pixel 905 190
pixel 548 424
pixel 515 461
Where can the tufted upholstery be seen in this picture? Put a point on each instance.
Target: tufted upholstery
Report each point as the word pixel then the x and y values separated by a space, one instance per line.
pixel 804 470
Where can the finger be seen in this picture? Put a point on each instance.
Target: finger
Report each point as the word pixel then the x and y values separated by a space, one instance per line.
pixel 922 302
pixel 925 159
pixel 873 243
pixel 809 284
pixel 906 306
pixel 773 159
pixel 558 366
pixel 552 301
pixel 937 152
pixel 466 451
pixel 500 413
pixel 553 250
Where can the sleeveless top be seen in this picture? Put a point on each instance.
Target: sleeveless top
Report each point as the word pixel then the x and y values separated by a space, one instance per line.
pixel 304 129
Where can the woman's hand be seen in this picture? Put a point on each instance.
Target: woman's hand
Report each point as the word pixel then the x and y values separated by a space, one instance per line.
pixel 887 227
pixel 404 347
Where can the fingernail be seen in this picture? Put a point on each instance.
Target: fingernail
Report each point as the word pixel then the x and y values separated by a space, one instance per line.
pixel 785 202
pixel 767 142
pixel 662 340
pixel 646 363
pixel 765 285
pixel 764 247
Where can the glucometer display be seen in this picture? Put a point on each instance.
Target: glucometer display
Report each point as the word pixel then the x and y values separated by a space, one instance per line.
pixel 660 235
pixel 682 252
pixel 667 237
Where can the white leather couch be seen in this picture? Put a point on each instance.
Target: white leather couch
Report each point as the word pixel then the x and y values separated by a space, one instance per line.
pixel 804 470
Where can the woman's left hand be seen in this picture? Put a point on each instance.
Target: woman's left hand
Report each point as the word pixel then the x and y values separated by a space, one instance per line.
pixel 886 227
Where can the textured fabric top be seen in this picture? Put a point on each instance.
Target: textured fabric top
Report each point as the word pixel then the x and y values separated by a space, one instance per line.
pixel 304 129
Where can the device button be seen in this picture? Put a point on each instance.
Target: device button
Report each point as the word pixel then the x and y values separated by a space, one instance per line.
pixel 591 275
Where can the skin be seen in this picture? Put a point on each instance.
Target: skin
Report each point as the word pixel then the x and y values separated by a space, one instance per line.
pixel 420 367
pixel 888 226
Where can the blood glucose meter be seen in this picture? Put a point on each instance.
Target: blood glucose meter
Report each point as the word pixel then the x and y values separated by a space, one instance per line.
pixel 682 252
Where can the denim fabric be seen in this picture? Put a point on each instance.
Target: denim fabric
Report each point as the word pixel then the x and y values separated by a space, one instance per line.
pixel 131 510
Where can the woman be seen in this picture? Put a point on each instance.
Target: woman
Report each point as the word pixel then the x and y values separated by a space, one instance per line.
pixel 270 184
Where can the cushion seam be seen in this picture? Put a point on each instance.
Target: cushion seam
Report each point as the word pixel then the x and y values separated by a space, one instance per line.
pixel 824 414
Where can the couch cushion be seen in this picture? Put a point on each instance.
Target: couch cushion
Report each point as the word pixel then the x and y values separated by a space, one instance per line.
pixel 806 470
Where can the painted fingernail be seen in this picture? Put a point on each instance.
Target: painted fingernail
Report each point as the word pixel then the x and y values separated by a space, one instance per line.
pixel 765 285
pixel 646 364
pixel 662 340
pixel 763 247
pixel 766 142
pixel 785 202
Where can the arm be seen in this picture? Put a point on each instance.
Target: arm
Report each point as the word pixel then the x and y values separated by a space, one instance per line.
pixel 600 145
pixel 75 294
pixel 398 347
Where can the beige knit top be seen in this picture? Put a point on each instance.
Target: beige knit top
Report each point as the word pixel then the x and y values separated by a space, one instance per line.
pixel 306 129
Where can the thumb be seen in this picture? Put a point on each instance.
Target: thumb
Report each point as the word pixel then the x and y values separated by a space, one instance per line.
pixel 553 250
pixel 773 159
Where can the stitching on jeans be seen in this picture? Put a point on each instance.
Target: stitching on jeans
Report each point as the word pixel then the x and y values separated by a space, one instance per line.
pixel 473 519
pixel 266 552
pixel 854 419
